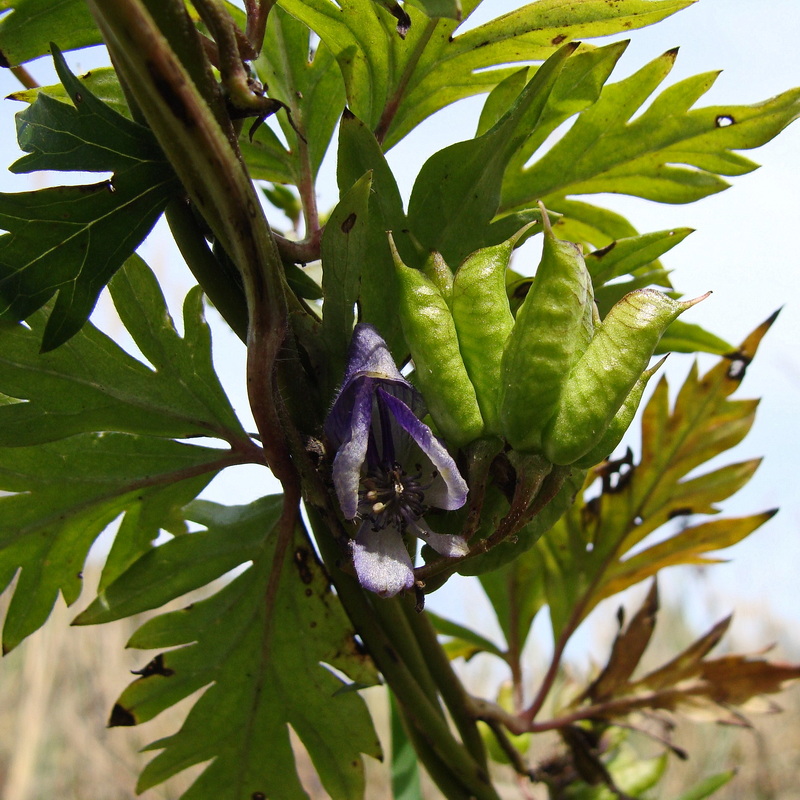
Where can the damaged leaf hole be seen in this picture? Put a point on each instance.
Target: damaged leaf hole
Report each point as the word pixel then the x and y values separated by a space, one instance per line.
pixel 724 120
pixel 738 367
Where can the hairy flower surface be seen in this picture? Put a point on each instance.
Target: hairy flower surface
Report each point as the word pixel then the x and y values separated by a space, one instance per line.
pixel 389 468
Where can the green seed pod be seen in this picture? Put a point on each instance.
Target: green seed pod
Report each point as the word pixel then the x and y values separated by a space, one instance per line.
pixel 484 321
pixel 621 421
pixel 607 372
pixel 552 330
pixel 431 336
pixel 437 269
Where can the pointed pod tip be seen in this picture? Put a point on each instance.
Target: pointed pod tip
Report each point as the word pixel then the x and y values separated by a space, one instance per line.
pixel 548 229
pixel 693 302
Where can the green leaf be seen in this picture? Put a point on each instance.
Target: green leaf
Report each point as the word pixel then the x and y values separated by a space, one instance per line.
pixel 709 786
pixel 688 337
pixel 624 256
pixel 66 493
pixel 395 83
pixel 264 663
pixel 178 566
pixel 405 761
pixel 456 66
pixel 102 82
pixel 27 31
pixel 345 254
pixel 72 239
pixel 606 151
pixel 457 192
pixel 359 35
pixel 359 153
pixel 439 8
pixel 92 384
pixel 464 641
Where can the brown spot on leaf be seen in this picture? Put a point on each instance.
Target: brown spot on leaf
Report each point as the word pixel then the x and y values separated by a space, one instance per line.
pixel 680 512
pixel 121 717
pixel 348 224
pixel 556 40
pixel 154 667
pixel 258 796
pixel 301 560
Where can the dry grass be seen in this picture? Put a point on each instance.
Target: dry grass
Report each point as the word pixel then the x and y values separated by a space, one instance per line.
pixel 57 688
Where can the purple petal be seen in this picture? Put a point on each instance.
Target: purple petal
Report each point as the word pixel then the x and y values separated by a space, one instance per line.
pixel 448 489
pixel 352 451
pixel 369 363
pixel 445 544
pixel 381 560
pixel 370 356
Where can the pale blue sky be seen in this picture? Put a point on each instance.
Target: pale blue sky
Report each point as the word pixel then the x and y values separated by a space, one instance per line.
pixel 744 249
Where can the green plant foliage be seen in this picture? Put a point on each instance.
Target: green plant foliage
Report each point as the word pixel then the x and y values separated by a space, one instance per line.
pixel 102 82
pixel 358 154
pixel 90 431
pixel 457 192
pixel 439 8
pixel 91 383
pixel 66 493
pixel 604 151
pixel 346 254
pixel 394 83
pixel 264 663
pixel 72 239
pixel 29 26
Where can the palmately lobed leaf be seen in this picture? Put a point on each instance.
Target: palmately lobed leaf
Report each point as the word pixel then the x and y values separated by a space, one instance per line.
pixel 265 661
pixel 606 150
pixel 393 83
pixel 87 434
pixel 66 493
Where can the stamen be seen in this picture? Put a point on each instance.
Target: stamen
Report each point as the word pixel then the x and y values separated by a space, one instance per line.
pixel 390 496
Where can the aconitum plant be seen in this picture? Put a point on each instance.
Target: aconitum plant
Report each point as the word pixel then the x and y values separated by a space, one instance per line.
pixel 431 406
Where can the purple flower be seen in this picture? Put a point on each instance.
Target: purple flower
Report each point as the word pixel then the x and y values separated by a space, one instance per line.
pixel 389 468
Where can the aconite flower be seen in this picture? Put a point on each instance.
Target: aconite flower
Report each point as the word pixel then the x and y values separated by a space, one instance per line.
pixel 389 468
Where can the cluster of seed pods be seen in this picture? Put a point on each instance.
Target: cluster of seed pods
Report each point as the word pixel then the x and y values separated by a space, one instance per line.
pixel 556 380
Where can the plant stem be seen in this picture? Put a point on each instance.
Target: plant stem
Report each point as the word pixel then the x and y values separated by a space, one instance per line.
pixel 439 771
pixel 451 688
pixel 24 77
pixel 392 618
